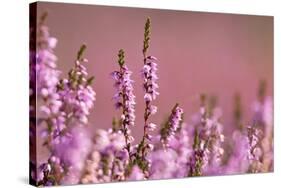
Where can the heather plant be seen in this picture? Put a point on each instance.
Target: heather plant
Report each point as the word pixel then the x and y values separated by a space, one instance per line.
pixel 150 87
pixel 59 118
pixel 125 99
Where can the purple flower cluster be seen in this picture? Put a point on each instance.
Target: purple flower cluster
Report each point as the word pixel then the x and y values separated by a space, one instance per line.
pixel 124 98
pixel 149 76
pixel 150 86
pixel 173 124
pixel 216 140
pixel 47 77
pixel 179 149
pixel 108 159
pixel 172 161
pixel 77 95
pixel 263 119
pixel 69 155
pixel 240 145
pixel 63 106
pixel 254 149
pixel 201 151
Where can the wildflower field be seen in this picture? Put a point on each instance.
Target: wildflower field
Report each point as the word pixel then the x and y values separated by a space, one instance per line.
pixel 67 147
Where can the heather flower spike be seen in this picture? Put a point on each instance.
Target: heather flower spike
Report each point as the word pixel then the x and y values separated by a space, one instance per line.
pixel 200 154
pixel 173 124
pixel 150 87
pixel 255 149
pixel 81 51
pixel 146 37
pixel 46 80
pixel 125 99
pixel 196 160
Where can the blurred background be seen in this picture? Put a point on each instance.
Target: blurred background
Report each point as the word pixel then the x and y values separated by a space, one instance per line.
pixel 216 54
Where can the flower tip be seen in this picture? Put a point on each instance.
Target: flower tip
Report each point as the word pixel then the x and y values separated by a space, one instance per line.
pixel 81 51
pixel 121 57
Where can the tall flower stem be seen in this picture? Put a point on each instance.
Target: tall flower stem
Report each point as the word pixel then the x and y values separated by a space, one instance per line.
pixel 149 86
pixel 125 99
pixel 147 103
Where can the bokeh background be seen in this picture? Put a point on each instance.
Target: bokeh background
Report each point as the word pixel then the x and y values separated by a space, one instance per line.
pixel 216 54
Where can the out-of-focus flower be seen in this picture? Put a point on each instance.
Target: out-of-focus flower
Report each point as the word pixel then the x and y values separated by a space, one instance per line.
pixel 136 174
pixel 163 164
pixel 108 159
pixel 47 78
pixel 173 124
pixel 77 93
pixel 207 144
pixel 254 149
pixel 238 161
pixel 263 119
pixel 215 142
pixel 71 152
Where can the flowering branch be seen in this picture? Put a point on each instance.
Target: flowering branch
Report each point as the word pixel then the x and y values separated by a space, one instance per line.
pixel 149 77
pixel 124 98
pixel 199 158
pixel 255 150
pixel 173 124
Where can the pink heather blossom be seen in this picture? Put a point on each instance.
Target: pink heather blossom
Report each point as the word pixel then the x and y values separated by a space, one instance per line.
pixel 254 149
pixel 108 159
pixel 47 78
pixel 239 153
pixel 216 139
pixel 263 120
pixel 125 99
pixel 149 76
pixel 72 150
pixel 77 95
pixel 124 88
pixel 136 174
pixel 200 156
pixel 149 84
pixel 163 164
pixel 173 124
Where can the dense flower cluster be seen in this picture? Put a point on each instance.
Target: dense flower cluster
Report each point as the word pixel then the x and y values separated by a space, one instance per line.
pixel 240 145
pixel 108 159
pixel 124 99
pixel 150 87
pixel 179 148
pixel 254 149
pixel 47 77
pixel 173 124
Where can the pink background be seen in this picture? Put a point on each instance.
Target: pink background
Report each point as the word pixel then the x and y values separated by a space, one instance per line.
pixel 218 54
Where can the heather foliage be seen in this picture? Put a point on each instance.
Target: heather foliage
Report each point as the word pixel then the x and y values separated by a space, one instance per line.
pixel 179 148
